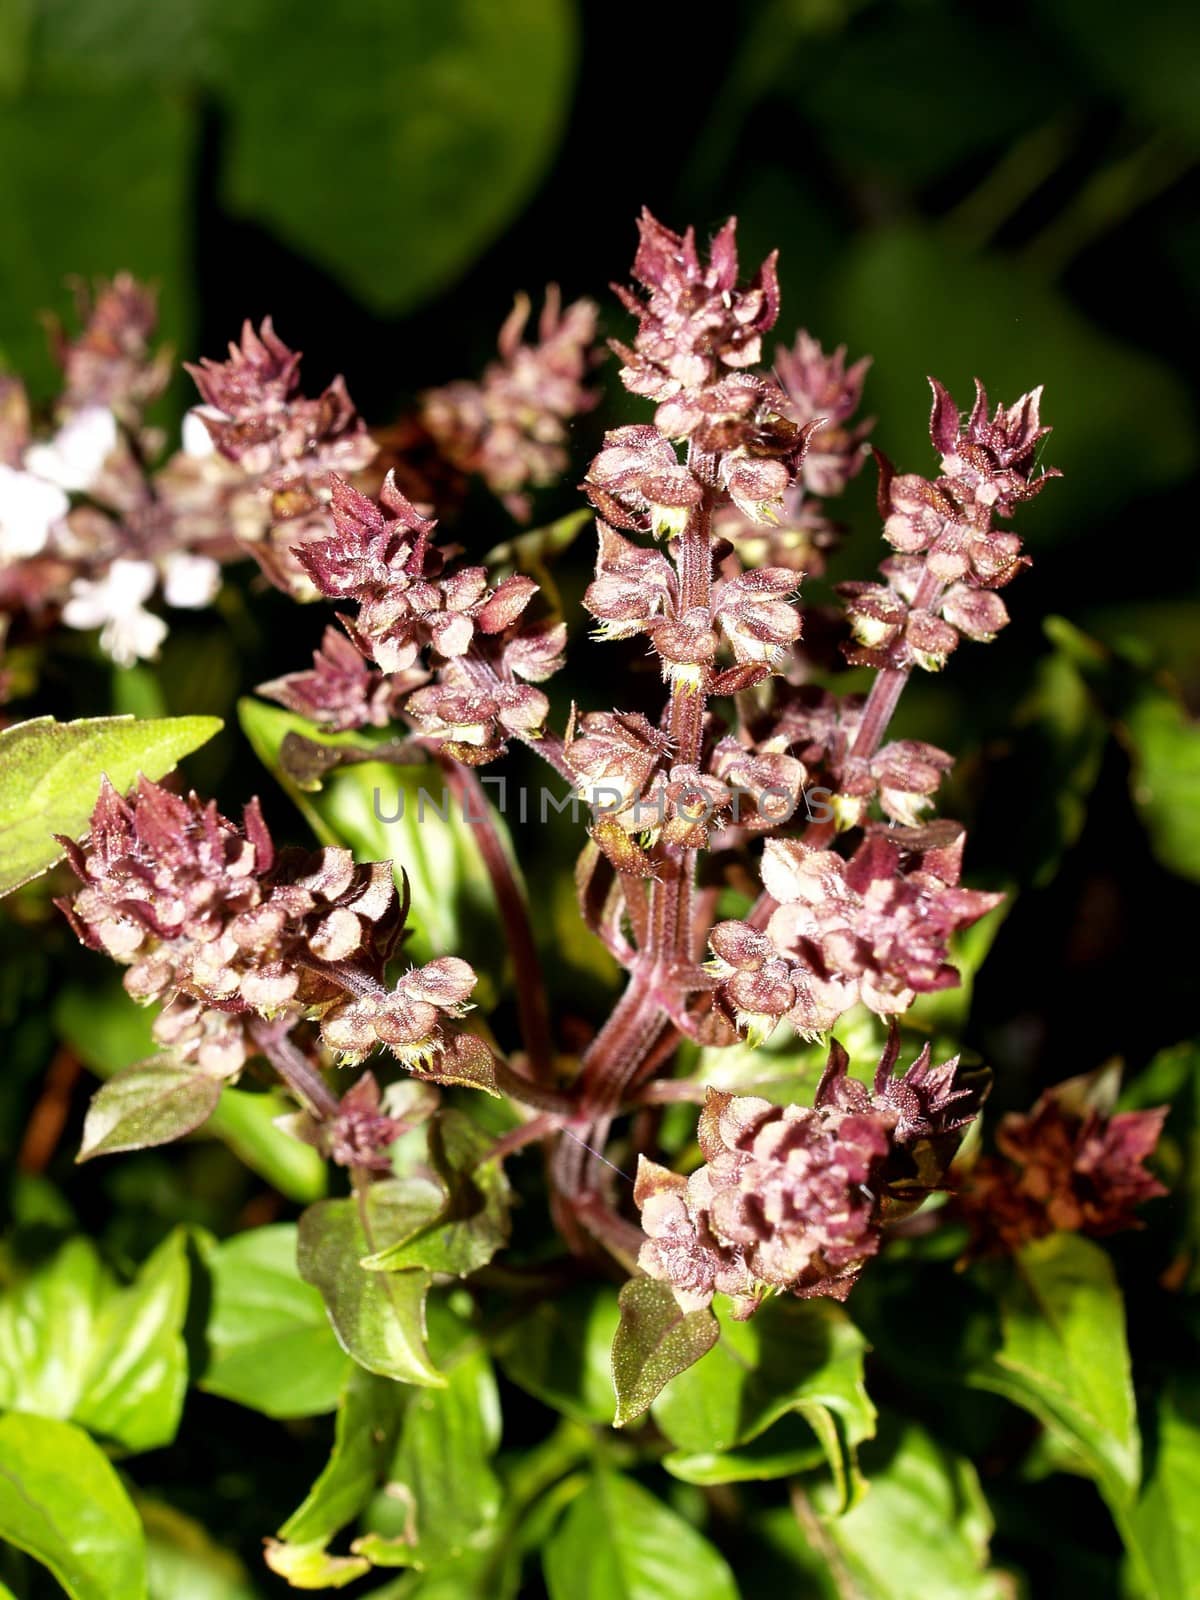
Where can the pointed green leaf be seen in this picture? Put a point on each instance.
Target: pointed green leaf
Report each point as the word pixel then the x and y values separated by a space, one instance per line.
pixel 471 1222
pixel 137 1375
pixel 1063 1354
pixel 495 84
pixel 561 1352
pixel 50 778
pixel 74 1344
pixel 801 1356
pixel 150 1104
pixel 922 1529
pixel 654 1342
pixel 367 1418
pixel 441 1495
pixel 62 1503
pixel 618 1542
pixel 270 1344
pixel 378 1317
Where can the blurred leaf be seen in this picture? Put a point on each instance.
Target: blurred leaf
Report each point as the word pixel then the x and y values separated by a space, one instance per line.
pixel 51 778
pixel 185 1562
pixel 367 1419
pixel 617 1542
pixel 92 182
pixel 1107 401
pixel 395 813
pixel 1164 743
pixel 1173 1079
pixel 152 1103
pixel 138 1369
pixel 1063 1354
pixel 73 1344
pixel 471 1223
pixel 62 1502
pixel 907 137
pixel 442 1495
pixel 423 130
pixel 655 1341
pixel 269 1339
pixel 787 1448
pixel 1148 55
pixel 791 1356
pixel 923 1528
pixel 561 1352
pixel 1060 736
pixel 534 553
pixel 378 1317
pixel 1162 1530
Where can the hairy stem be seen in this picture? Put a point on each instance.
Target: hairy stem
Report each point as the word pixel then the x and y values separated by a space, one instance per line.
pixel 296 1070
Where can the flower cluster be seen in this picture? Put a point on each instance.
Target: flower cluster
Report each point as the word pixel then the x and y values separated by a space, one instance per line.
pixel 437 642
pixel 822 393
pixel 285 446
pixel 1068 1165
pixel 874 928
pixel 87 535
pixel 795 1197
pixel 510 428
pixel 951 558
pixel 214 924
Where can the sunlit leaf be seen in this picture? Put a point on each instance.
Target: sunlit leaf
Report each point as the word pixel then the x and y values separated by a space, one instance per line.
pixel 62 1502
pixel 270 1344
pixel 50 776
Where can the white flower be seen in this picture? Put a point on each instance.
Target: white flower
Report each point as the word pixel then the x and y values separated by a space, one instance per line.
pixel 189 581
pixel 115 605
pixel 197 441
pixel 29 508
pixel 75 457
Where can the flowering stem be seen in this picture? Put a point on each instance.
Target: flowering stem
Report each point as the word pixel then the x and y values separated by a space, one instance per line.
pixel 296 1070
pixel 889 683
pixel 547 744
pixel 514 913
pixel 632 1041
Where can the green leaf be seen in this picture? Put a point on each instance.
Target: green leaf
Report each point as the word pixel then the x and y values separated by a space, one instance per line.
pixel 396 190
pixel 367 1419
pixel 60 146
pixel 452 903
pixel 923 1529
pixel 74 1344
pixel 108 1032
pixel 137 1374
pixel 561 1352
pixel 62 1503
pixel 150 1104
pixel 442 1497
pixel 1164 743
pixel 378 1317
pixel 471 1223
pixel 1110 400
pixel 1146 56
pixel 618 1542
pixel 51 778
pixel 270 1344
pixel 654 1342
pixel 1162 1531
pixel 792 1356
pixel 1063 1354
pixel 184 1561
